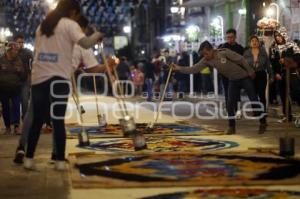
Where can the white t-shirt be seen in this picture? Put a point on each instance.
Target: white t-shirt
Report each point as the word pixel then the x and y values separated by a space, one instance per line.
pixel 84 56
pixel 53 55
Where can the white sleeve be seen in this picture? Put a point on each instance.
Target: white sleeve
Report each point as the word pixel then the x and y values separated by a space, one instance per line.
pixel 74 31
pixel 89 59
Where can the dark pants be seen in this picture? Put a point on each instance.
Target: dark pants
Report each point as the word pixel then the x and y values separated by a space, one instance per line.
pixel 7 110
pixel 260 84
pixel 273 92
pixel 234 92
pixel 149 83
pixel 25 93
pixel 207 85
pixel 41 100
pixel 282 92
pixel 225 82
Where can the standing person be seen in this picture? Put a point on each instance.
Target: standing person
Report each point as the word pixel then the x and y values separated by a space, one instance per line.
pixel 55 40
pixel 234 67
pixel 11 77
pixel 82 59
pixel 183 79
pixel 123 71
pixel 26 56
pixel 277 53
pixel 234 46
pixel 149 79
pixel 138 79
pixel 258 58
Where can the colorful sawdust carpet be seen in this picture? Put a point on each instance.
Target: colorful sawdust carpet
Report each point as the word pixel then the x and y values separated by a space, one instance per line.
pixel 238 193
pixel 175 169
pixel 114 130
pixel 163 144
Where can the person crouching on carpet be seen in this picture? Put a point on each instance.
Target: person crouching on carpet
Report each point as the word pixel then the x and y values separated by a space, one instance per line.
pixel 240 75
pixel 55 40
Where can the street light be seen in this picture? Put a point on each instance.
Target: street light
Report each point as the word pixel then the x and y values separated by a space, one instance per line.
pixel 174 9
pixel 127 29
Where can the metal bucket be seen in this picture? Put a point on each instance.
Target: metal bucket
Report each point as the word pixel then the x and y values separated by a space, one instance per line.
pixel 139 142
pixel 287 147
pixel 83 138
pixel 128 125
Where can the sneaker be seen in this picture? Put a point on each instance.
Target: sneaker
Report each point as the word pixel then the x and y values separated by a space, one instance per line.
pixel 262 128
pixel 17 130
pixel 230 131
pixel 283 120
pixel 238 115
pixel 60 165
pixel 7 130
pixel 19 156
pixel 29 164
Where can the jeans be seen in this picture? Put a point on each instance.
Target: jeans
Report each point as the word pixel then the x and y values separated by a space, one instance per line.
pixel 7 110
pixel 225 82
pixel 149 84
pixel 169 90
pixel 41 99
pixel 207 85
pixel 260 83
pixel 182 86
pixel 234 92
pixel 25 93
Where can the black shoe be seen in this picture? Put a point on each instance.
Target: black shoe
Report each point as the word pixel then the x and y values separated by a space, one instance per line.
pixel 230 131
pixel 19 156
pixel 262 128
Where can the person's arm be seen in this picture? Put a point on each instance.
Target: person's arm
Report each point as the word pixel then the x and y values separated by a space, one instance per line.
pixel 240 60
pixel 191 70
pixel 88 42
pixel 77 36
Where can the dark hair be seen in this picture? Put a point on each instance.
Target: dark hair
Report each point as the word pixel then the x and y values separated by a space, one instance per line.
pixel 19 36
pixel 231 30
pixel 62 10
pixel 253 37
pixel 83 22
pixel 205 45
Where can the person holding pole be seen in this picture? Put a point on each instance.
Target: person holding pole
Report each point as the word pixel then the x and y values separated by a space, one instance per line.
pixel 240 75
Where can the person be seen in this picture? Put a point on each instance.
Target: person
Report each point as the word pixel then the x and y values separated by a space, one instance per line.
pixel 257 57
pixel 278 50
pixel 55 40
pixel 234 46
pixel 26 56
pixel 149 79
pixel 12 75
pixel 182 79
pixel 234 67
pixel 138 79
pixel 81 58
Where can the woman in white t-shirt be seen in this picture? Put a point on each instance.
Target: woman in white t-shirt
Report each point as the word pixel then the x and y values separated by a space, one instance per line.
pixel 52 69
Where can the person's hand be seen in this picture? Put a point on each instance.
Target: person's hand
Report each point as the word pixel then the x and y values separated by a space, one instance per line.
pixel 175 67
pixel 252 75
pixel 278 77
pixel 112 63
pixel 101 35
